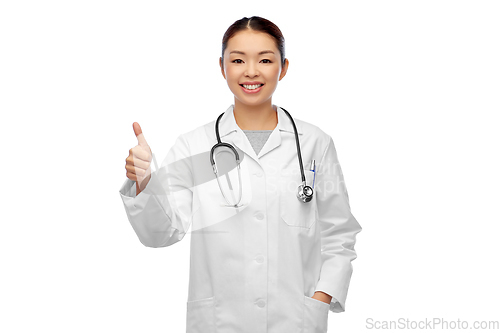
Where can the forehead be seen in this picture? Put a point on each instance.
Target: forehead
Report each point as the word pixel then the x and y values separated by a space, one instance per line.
pixel 251 42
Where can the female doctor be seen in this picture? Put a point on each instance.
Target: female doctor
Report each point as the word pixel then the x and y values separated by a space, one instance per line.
pixel 272 234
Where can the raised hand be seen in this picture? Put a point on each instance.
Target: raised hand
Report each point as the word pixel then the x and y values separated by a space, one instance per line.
pixel 138 162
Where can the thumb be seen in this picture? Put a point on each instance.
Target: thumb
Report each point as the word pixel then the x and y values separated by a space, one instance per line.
pixel 139 135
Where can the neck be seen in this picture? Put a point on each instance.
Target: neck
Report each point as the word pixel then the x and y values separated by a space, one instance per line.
pixel 255 117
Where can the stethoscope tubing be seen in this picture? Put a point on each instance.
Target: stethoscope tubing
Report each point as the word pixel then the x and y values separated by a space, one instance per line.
pixel 304 190
pixel 299 154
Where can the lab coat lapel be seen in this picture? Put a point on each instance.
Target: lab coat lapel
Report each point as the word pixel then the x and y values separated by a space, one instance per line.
pixel 230 132
pixel 272 142
pixel 240 140
pixel 284 125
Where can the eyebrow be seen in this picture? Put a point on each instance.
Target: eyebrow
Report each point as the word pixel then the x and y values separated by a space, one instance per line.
pixel 261 52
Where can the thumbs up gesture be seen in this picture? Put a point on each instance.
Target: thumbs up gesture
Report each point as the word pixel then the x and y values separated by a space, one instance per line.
pixel 138 162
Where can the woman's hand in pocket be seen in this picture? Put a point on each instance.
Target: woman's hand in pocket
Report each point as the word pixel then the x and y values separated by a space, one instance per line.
pixel 323 297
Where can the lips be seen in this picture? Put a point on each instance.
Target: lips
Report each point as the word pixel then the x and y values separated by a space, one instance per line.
pixel 252 91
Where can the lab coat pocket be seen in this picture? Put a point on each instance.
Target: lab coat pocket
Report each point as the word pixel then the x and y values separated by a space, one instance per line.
pixel 201 316
pixel 294 212
pixel 315 315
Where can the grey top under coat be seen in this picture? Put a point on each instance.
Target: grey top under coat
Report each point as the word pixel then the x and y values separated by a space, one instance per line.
pixel 257 138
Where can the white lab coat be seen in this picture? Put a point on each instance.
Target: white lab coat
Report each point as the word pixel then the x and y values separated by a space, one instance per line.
pixel 254 269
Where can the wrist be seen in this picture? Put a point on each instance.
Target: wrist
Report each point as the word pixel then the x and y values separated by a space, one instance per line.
pixel 321 296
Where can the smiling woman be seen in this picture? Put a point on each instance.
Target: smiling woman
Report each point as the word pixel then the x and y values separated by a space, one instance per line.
pixel 262 258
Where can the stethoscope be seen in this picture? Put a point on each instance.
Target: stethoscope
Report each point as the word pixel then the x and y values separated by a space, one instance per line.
pixel 304 191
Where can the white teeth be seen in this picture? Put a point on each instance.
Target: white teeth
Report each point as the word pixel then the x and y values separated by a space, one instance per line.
pixel 252 86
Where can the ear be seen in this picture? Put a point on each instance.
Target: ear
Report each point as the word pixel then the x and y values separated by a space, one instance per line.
pixel 222 68
pixel 284 69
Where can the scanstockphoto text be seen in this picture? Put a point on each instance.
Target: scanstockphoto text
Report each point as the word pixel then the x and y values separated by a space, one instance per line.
pixel 328 176
pixel 431 324
pixel 181 179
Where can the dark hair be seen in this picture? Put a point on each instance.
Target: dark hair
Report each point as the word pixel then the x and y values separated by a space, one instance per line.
pixel 256 23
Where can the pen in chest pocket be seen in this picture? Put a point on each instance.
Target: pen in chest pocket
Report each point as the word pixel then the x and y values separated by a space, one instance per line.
pixel 313 169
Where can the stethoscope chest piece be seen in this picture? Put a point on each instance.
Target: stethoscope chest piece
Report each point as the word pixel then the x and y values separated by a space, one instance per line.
pixel 305 193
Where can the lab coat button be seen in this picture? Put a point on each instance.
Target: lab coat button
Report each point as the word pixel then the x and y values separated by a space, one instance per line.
pixel 261 303
pixel 259 216
pixel 259 259
pixel 258 174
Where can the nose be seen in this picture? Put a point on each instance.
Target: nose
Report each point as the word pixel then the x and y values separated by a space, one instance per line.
pixel 251 70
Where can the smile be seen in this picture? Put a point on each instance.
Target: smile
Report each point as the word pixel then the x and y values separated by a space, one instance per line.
pixel 251 88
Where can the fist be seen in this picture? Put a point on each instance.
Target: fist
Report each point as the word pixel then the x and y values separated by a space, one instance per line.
pixel 138 162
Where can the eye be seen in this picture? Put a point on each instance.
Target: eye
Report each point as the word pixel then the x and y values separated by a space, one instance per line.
pixel 267 60
pixel 236 60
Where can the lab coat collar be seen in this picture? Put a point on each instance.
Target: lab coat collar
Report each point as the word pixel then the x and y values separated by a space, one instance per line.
pixel 228 123
pixel 230 131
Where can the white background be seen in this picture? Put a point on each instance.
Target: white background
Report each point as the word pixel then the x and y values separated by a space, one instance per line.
pixel 408 90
